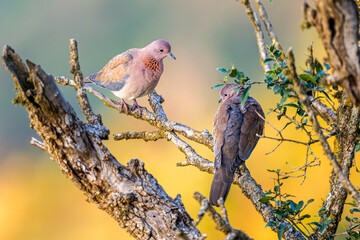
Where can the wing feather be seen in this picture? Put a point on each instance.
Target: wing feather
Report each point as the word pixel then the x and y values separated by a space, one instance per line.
pixel 253 124
pixel 220 124
pixel 114 74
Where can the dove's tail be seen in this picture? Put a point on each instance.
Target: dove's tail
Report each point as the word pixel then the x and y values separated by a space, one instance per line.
pixel 221 184
pixel 90 78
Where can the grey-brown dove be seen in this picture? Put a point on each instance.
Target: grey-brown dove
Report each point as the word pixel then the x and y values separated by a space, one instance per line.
pixel 133 73
pixel 235 130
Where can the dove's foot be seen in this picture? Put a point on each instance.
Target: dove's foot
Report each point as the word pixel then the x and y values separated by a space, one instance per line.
pixel 124 105
pixel 136 105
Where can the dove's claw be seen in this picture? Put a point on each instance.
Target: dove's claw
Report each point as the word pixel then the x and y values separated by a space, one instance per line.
pixel 123 105
pixel 136 105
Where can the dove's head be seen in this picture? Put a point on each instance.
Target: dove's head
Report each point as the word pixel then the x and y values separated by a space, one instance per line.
pixel 228 91
pixel 160 49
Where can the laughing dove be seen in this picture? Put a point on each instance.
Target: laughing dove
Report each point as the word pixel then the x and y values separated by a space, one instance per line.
pixel 133 73
pixel 235 130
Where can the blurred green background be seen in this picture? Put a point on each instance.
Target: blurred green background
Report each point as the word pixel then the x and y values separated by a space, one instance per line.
pixel 38 202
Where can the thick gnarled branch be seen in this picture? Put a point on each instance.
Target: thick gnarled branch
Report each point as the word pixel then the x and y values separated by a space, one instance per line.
pixel 337 22
pixel 146 212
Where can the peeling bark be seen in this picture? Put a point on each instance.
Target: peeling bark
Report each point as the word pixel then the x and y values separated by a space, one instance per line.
pixel 337 22
pixel 347 125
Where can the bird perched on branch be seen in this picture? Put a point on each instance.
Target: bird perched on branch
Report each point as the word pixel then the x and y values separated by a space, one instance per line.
pixel 235 130
pixel 133 73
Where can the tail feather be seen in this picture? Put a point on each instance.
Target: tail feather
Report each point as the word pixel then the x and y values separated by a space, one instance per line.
pixel 221 184
pixel 90 78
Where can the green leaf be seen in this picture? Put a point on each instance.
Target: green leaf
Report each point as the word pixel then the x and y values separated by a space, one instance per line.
pixel 305 216
pixel 299 206
pixel 266 199
pixel 310 201
pixel 270 224
pixel 328 220
pixel 318 66
pixel 233 72
pixel 354 210
pixel 301 112
pixel 270 170
pixel 307 78
pixel 326 66
pixel 240 75
pixel 272 47
pixel 245 96
pixel 277 53
pixel 223 70
pixel 315 223
pixel 218 86
pixel 266 60
pixel 280 231
pixel 291 105
pixel 325 224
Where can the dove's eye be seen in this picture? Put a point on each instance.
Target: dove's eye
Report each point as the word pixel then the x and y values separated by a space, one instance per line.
pixel 161 50
pixel 225 95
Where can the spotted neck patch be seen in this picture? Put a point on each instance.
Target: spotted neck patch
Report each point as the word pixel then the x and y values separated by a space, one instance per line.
pixel 152 64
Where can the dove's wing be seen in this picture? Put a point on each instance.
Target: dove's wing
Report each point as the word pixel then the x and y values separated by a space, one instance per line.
pixel 114 75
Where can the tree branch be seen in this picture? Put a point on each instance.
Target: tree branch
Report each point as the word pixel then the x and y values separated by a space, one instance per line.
pixel 222 223
pixel 203 137
pixel 331 156
pixel 337 22
pixel 347 125
pixel 146 136
pixel 129 193
pixel 258 33
pixel 267 23
pixel 69 156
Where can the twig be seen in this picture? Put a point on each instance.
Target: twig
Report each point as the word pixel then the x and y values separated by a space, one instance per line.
pixel 283 139
pixel 221 224
pixel 258 33
pixel 267 23
pixel 202 137
pixel 78 78
pixel 146 136
pixel 38 144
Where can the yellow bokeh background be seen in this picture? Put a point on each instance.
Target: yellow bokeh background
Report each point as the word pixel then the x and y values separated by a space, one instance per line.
pixel 38 202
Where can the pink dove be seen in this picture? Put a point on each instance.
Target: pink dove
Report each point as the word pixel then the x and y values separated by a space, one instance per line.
pixel 235 137
pixel 133 73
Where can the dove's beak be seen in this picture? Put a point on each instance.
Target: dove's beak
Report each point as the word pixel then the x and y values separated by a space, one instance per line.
pixel 172 55
pixel 220 100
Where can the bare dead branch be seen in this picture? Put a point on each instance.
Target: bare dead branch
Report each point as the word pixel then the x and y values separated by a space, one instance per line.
pixel 146 136
pixel 78 78
pixel 38 144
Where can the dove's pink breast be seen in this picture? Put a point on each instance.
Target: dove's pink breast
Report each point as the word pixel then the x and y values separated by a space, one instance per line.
pixel 144 76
